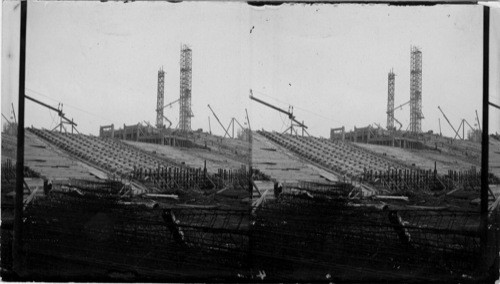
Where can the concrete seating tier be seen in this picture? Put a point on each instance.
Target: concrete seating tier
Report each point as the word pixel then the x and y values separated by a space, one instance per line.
pixel 339 156
pixel 111 155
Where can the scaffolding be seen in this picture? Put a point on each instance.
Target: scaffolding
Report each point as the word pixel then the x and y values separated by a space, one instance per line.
pixel 390 100
pixel 160 98
pixel 416 115
pixel 185 113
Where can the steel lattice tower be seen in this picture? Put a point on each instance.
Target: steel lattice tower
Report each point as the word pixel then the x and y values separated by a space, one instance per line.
pixel 160 98
pixel 416 90
pixel 185 113
pixel 390 100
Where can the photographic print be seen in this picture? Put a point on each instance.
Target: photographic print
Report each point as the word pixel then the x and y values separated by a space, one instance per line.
pixel 249 142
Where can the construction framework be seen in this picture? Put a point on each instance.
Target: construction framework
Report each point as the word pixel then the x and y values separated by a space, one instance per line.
pixel 416 90
pixel 160 98
pixel 185 113
pixel 390 100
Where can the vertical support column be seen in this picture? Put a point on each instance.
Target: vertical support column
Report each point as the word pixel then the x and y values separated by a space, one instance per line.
pixel 160 99
pixel 390 100
pixel 489 241
pixel 185 89
pixel 18 209
pixel 463 129
pixel 484 140
pixel 415 90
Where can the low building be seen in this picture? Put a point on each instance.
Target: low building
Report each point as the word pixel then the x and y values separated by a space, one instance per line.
pixel 380 136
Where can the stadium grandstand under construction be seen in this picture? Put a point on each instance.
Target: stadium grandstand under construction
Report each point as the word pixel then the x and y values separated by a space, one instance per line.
pixel 162 202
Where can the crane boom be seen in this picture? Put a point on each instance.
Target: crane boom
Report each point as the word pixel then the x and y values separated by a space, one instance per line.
pixel 400 124
pixel 290 115
pixel 59 112
pixel 6 119
pixel 472 128
pixel 395 108
pixel 14 113
pixel 478 123
pixel 218 121
pixel 169 104
pixel 168 120
pixel 399 106
pixel 45 105
pixel 238 123
pixel 248 120
pixel 448 121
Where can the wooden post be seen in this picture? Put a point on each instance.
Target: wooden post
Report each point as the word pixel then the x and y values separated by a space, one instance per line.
pixel 183 177
pixel 205 169
pixel 192 176
pixel 17 253
pixel 399 177
pixel 198 172
pixel 168 176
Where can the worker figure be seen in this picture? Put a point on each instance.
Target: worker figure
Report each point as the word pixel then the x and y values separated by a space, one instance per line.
pixel 398 224
pixel 172 225
pixel 47 186
pixel 278 188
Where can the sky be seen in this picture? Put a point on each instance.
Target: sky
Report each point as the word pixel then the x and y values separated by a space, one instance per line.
pixel 330 62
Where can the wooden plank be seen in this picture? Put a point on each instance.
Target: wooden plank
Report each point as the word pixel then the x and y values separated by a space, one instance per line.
pixel 30 197
pixel 259 201
pixel 170 196
pixel 256 188
pixel 388 197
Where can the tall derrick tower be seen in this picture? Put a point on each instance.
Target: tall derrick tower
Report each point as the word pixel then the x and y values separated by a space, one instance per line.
pixel 185 113
pixel 160 98
pixel 390 100
pixel 416 115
